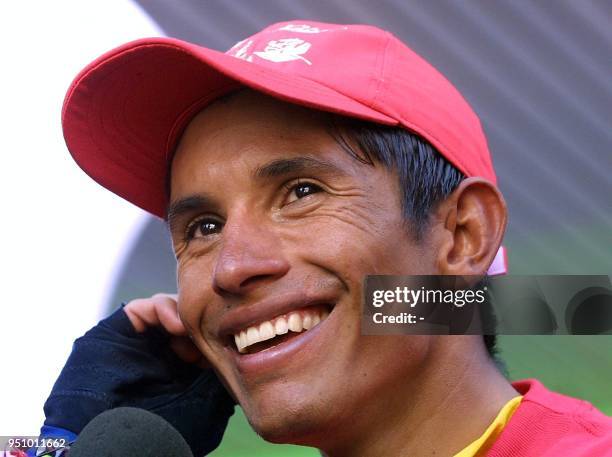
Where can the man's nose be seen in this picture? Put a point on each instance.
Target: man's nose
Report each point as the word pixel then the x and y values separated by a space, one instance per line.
pixel 251 255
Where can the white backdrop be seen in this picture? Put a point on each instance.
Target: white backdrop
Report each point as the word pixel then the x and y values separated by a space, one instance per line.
pixel 62 236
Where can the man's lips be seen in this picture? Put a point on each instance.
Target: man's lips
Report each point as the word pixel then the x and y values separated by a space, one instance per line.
pixel 272 332
pixel 304 349
pixel 241 317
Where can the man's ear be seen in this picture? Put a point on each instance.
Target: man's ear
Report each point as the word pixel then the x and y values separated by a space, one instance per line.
pixel 470 228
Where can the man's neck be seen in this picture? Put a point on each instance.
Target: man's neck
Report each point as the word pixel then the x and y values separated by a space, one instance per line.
pixel 442 410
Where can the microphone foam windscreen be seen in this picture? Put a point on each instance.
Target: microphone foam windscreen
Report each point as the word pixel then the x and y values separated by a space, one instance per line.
pixel 129 432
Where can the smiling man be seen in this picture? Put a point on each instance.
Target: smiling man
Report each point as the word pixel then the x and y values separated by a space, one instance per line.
pixel 307 157
pixel 274 227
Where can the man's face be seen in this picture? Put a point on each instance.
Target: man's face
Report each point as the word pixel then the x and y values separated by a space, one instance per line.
pixel 274 221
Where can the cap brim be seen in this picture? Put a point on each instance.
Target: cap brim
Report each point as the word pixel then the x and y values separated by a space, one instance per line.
pixel 124 113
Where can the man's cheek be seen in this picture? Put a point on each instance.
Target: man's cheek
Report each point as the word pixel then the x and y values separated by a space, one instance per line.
pixel 195 300
pixel 348 256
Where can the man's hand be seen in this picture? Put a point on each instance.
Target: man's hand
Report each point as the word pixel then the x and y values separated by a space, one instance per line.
pixel 141 356
pixel 161 311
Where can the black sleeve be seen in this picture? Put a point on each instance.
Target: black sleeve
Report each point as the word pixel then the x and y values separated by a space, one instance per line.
pixel 112 365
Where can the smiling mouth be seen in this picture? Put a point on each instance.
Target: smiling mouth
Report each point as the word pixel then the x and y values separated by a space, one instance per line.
pixel 279 329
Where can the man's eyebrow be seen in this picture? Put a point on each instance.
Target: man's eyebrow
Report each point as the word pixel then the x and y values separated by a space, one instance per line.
pixel 272 169
pixel 187 205
pixel 294 165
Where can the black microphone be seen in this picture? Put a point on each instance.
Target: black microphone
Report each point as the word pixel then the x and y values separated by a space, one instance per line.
pixel 129 432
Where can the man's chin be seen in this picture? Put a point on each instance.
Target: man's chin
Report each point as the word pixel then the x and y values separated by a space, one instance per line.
pixel 279 430
pixel 287 422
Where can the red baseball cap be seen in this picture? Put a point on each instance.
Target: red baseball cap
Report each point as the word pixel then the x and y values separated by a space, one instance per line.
pixel 124 113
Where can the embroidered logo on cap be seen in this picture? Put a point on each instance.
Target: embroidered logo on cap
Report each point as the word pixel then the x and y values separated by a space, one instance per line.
pixel 283 50
pixel 240 50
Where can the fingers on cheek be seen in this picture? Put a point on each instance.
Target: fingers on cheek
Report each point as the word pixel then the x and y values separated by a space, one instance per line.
pixel 136 311
pixel 168 316
pixel 146 310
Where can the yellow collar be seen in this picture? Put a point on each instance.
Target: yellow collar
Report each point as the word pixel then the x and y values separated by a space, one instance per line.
pixel 492 432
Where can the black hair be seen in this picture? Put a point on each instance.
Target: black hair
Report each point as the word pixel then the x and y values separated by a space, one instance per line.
pixel 426 178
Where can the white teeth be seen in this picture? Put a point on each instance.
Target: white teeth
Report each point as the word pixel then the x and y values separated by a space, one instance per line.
pixel 295 321
pixel 266 331
pixel 243 339
pixel 252 335
pixel 307 322
pixel 280 326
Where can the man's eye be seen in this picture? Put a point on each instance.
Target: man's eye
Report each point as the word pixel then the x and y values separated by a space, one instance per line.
pixel 203 227
pixel 302 189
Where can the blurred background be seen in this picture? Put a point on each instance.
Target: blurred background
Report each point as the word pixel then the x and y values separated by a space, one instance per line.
pixel 539 75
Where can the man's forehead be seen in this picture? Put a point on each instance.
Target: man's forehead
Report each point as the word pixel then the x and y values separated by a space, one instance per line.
pixel 246 107
pixel 251 130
